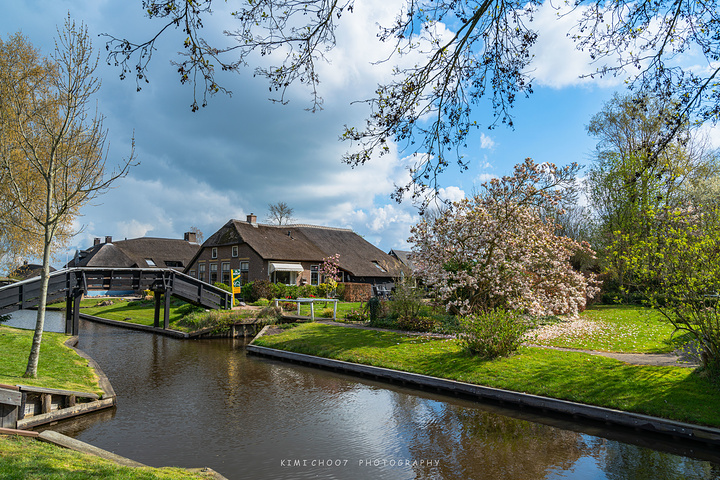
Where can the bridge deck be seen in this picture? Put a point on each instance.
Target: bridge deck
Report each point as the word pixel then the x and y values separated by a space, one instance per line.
pixel 72 283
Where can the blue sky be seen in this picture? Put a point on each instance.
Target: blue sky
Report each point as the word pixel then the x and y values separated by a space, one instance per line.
pixel 243 152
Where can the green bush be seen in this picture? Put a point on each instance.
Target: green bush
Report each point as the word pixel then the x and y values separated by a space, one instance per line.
pixel 406 302
pixel 223 286
pixel 218 320
pixel 417 324
pixel 497 333
pixel 261 289
pixel 262 302
pixel 356 316
pixel 376 309
pixel 326 313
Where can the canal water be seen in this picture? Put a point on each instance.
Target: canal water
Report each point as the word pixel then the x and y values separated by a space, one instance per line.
pixel 206 403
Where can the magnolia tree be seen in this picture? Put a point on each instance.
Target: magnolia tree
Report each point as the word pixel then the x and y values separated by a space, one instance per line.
pixel 330 273
pixel 499 249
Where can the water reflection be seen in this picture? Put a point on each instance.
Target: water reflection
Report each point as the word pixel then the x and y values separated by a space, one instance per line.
pixel 205 403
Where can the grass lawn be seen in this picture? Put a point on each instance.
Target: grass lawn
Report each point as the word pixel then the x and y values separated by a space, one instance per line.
pixel 22 458
pixel 59 366
pixel 619 328
pixel 668 392
pixel 138 312
pixel 342 309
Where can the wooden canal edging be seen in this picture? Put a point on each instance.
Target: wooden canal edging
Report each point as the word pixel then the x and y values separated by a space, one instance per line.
pixel 636 421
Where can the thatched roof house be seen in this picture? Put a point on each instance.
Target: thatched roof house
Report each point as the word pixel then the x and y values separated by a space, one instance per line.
pixel 145 252
pixel 290 254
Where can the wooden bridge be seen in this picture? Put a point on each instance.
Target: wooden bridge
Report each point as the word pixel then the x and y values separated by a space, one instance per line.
pixel 72 283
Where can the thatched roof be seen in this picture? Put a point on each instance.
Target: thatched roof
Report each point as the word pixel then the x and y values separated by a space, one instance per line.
pixel 139 253
pixel 404 256
pixel 309 243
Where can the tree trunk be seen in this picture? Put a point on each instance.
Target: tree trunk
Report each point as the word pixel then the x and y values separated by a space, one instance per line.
pixel 34 357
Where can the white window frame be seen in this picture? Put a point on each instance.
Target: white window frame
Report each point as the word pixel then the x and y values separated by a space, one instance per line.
pixel 213 252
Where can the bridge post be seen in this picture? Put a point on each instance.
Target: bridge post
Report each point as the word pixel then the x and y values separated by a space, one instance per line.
pixel 68 312
pixel 78 293
pixel 166 310
pixel 156 318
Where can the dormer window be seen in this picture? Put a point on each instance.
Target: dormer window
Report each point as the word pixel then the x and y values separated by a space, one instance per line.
pixel 150 262
pixel 379 267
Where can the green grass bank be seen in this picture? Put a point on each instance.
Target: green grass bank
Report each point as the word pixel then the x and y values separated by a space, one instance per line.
pixel 22 458
pixel 59 366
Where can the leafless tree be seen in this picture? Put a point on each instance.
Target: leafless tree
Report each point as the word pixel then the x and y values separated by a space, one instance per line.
pixel 280 213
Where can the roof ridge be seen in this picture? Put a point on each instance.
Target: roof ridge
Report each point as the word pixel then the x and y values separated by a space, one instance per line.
pixel 295 225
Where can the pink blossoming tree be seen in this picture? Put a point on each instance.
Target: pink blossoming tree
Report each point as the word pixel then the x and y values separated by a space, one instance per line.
pixel 500 249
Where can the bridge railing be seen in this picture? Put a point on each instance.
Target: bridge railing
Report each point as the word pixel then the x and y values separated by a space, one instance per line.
pixel 72 282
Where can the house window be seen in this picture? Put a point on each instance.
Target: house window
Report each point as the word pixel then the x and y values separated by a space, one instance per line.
pixel 150 262
pixel 314 275
pixel 201 272
pixel 288 278
pixel 244 268
pixel 235 251
pixel 192 273
pixel 226 273
pixel 213 253
pixel 213 273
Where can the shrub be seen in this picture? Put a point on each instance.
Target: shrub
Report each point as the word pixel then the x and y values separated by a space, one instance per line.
pixel 270 315
pixel 223 286
pixel 261 289
pixel 406 303
pixel 356 316
pixel 375 308
pixel 417 324
pixel 492 334
pixel 218 320
pixel 4 318
pixel 262 302
pixel 326 313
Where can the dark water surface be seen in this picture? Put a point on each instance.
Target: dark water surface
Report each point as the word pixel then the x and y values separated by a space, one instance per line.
pixel 205 403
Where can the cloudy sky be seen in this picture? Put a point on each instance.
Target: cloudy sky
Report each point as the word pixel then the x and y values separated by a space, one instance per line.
pixel 244 152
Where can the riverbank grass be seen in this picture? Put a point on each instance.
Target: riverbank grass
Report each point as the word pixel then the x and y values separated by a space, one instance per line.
pixel 669 392
pixel 22 458
pixel 614 328
pixel 59 366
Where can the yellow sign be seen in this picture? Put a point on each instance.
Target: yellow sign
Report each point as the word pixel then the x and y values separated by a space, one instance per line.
pixel 236 283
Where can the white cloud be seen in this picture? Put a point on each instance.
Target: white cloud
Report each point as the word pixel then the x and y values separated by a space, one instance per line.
pixel 451 194
pixel 486 141
pixel 557 62
pixel 484 177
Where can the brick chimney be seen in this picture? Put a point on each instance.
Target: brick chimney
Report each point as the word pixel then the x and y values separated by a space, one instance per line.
pixel 190 237
pixel 108 239
pixel 252 219
pixel 96 241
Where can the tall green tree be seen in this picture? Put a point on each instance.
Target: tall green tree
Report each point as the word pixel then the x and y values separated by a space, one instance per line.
pixel 677 266
pixel 54 158
pixel 639 170
pixel 470 51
